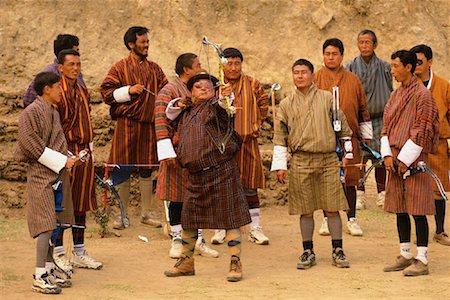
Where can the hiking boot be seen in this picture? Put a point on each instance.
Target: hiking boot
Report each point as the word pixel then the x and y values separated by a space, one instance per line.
pixel 442 238
pixel 183 267
pixel 324 227
pixel 85 261
pixel 417 268
pixel 235 273
pixel 117 224
pixel 381 198
pixel 60 278
pixel 400 263
pixel 306 260
pixel 44 285
pixel 148 219
pixel 353 227
pixel 339 259
pixel 176 249
pixel 63 263
pixel 219 237
pixel 203 250
pixel 257 236
pixel 360 200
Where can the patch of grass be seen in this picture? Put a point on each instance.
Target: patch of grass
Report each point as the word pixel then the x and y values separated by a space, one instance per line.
pixel 120 287
pixel 10 229
pixel 9 275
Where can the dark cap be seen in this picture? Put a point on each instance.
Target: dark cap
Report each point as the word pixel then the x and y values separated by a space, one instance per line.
pixel 200 76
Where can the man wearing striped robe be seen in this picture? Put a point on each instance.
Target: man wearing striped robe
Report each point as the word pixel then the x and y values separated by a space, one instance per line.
pixel 375 76
pixel 130 88
pixel 251 101
pixel 410 132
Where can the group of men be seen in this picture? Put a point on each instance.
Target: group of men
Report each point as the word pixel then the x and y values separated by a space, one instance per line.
pixel 150 134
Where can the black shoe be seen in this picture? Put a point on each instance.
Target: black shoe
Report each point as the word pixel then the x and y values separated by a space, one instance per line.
pixel 339 259
pixel 306 260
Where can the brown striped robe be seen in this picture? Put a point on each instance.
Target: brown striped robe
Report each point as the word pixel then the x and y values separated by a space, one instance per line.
pixel 171 179
pixel 411 113
pixel 74 110
pixel 134 140
pixel 40 127
pixel 354 105
pixel 252 103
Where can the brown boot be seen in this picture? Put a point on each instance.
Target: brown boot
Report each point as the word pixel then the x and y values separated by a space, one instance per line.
pixel 400 263
pixel 150 218
pixel 183 267
pixel 416 269
pixel 442 238
pixel 235 273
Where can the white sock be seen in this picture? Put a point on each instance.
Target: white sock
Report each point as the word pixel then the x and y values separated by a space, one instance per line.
pixel 200 235
pixel 422 254
pixel 49 266
pixel 39 272
pixel 405 250
pixel 254 214
pixel 175 231
pixel 78 249
pixel 58 250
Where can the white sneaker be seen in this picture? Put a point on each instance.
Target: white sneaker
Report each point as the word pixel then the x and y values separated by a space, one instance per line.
pixel 360 200
pixel 257 236
pixel 219 237
pixel 60 278
pixel 63 263
pixel 353 227
pixel 203 250
pixel 176 249
pixel 323 230
pixel 381 197
pixel 85 261
pixel 44 285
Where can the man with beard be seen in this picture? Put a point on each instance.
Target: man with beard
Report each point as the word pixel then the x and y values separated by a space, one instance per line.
pixel 130 88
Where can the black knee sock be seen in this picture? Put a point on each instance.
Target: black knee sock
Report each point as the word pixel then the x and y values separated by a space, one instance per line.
pixel 336 244
pixel 175 209
pixel 351 199
pixel 78 229
pixel 404 227
pixel 422 230
pixel 440 215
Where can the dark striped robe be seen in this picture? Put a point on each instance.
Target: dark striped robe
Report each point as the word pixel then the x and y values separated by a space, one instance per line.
pixel 40 127
pixel 134 140
pixel 411 113
pixel 170 178
pixel 252 103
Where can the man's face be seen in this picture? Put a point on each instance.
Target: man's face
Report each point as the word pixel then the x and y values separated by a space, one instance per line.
pixel 302 76
pixel 232 70
pixel 423 64
pixel 332 58
pixel 399 71
pixel 71 67
pixel 140 48
pixel 54 92
pixel 194 69
pixel 202 90
pixel 366 45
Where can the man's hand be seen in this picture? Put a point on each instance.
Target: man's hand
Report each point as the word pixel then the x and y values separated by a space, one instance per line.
pixel 183 103
pixel 281 176
pixel 402 168
pixel 136 89
pixel 389 164
pixel 70 162
pixel 225 90
pixel 170 162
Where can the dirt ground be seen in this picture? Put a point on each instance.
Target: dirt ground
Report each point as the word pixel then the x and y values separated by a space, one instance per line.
pixel 134 269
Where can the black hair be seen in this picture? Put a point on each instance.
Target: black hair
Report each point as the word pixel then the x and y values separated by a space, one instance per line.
pixel 185 60
pixel 422 48
pixel 334 42
pixel 64 41
pixel 62 55
pixel 407 58
pixel 371 33
pixel 132 34
pixel 44 79
pixel 233 52
pixel 303 62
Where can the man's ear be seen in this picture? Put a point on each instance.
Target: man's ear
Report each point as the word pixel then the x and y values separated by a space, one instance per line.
pixel 408 67
pixel 131 45
pixel 430 61
pixel 60 68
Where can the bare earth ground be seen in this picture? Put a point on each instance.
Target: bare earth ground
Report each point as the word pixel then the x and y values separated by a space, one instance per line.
pixel 134 269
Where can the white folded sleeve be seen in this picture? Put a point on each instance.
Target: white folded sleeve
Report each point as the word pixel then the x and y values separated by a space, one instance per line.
pixel 279 158
pixel 172 112
pixel 121 94
pixel 165 149
pixel 366 130
pixel 410 153
pixel 385 148
pixel 53 160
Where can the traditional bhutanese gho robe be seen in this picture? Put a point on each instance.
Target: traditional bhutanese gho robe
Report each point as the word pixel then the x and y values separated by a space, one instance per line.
pixel 304 128
pixel 410 131
pixel 353 104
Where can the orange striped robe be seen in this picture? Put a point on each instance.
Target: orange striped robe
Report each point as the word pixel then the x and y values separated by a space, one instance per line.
pixel 352 103
pixel 252 103
pixel 74 110
pixel 134 140
pixel 171 179
pixel 411 113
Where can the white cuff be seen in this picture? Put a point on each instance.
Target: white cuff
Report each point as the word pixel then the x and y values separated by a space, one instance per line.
pixel 348 146
pixel 448 143
pixel 410 153
pixel 121 95
pixel 348 155
pixel 53 160
pixel 91 146
pixel 172 112
pixel 385 148
pixel 165 149
pixel 279 158
pixel 366 130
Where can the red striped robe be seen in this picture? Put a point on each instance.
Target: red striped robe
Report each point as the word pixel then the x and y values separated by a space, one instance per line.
pixel 252 103
pixel 74 110
pixel 411 113
pixel 134 140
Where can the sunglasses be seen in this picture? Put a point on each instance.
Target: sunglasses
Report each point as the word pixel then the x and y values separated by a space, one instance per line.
pixel 419 62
